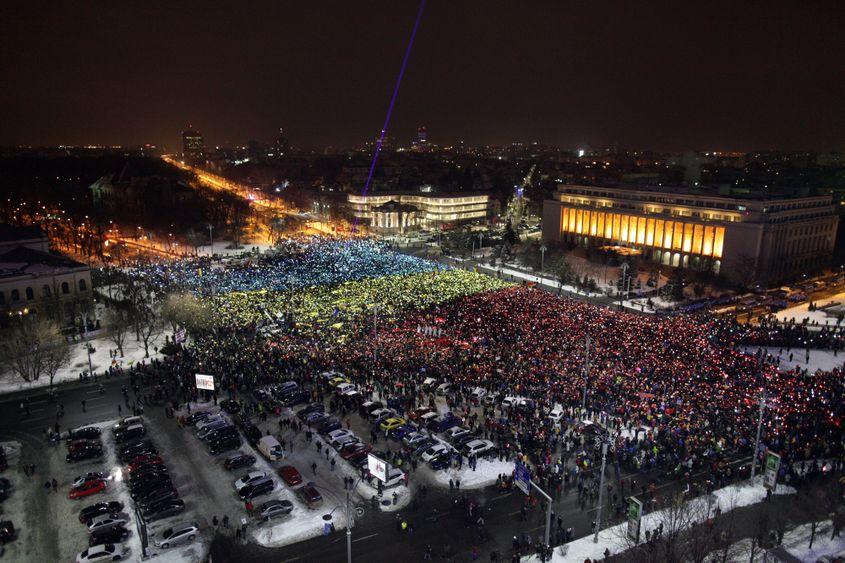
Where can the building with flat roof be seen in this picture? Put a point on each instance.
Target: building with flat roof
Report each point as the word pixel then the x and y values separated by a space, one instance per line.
pixel 762 237
pixel 400 212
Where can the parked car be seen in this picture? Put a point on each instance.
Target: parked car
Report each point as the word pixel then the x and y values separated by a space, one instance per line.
pixel 290 475
pixel 98 509
pixel 238 460
pixel 339 433
pixel 147 489
pixel 81 479
pixel 478 447
pixel 270 447
pixel 82 444
pixel 249 479
pixel 140 447
pixel 441 461
pixel 158 496
pixel 252 432
pixel 198 416
pixel 103 552
pixel 455 432
pixel 143 461
pixel 274 508
pixel 391 423
pixel 126 422
pixel 85 433
pixel 226 444
pixel 328 425
pixel 7 531
pixel 231 407
pixel 87 489
pixel 433 451
pixel 416 414
pixel 177 535
pixel 105 521
pixel 413 439
pixel 113 534
pixel 88 452
pixel 401 431
pixel 310 496
pixel 256 489
pixel 220 433
pixel 395 477
pixel 296 398
pixel 127 433
pixel 164 509
pixel 352 448
pixel 205 429
pixel 367 408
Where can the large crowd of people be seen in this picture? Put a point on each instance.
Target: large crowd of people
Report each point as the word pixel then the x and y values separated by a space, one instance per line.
pixel 675 392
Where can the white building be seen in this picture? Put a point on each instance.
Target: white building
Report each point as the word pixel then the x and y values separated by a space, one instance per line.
pixel 400 212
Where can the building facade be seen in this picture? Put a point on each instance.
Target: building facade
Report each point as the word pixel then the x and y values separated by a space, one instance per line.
pixel 764 237
pixel 398 212
pixel 193 146
pixel 34 280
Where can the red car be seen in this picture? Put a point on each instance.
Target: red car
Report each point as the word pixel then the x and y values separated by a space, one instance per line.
pixel 290 475
pixel 81 444
pixel 350 450
pixel 416 414
pixel 85 489
pixel 144 460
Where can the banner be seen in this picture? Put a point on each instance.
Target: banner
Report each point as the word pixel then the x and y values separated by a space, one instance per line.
pixel 205 382
pixel 770 476
pixel 377 467
pixel 634 516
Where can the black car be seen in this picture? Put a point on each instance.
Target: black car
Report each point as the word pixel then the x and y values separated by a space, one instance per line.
pixel 143 489
pixel 5 488
pixel 88 433
pixel 252 433
pixel 440 462
pixel 91 512
pixel 313 407
pixel 164 509
pixel 257 489
pixel 327 426
pixel 130 433
pixel 231 407
pixel 296 398
pixel 142 470
pixel 224 445
pixel 221 433
pixel 148 477
pixel 85 452
pixel 158 496
pixel 462 441
pixel 114 534
pixel 7 531
pixel 137 448
pixel 197 416
pixel 147 494
pixel 238 461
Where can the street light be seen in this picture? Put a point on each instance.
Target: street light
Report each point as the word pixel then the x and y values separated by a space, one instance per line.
pixel 759 428
pixel 605 442
pixel 543 250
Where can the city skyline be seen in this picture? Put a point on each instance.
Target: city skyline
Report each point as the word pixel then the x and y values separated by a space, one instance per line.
pixel 671 78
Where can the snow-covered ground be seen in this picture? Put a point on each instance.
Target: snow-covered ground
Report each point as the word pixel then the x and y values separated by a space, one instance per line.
pixel 222 248
pixel 613 538
pixel 795 541
pixel 823 360
pixel 820 316
pixel 100 361
pixel 484 475
pixel 519 275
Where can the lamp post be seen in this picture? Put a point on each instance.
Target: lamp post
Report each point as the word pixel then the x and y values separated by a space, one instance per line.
pixel 480 244
pixel 211 239
pixel 759 428
pixel 543 250
pixel 624 268
pixel 586 373
pixel 605 440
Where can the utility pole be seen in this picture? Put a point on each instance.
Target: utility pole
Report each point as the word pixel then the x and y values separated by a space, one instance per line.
pixel 91 369
pixel 543 250
pixel 211 238
pixel 604 444
pixel 759 428
pixel 480 244
pixel 624 268
pixel 586 373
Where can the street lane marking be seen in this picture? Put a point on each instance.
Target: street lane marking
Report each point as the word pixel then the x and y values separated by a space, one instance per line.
pixel 365 537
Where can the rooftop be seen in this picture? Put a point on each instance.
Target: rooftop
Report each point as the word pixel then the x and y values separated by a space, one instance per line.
pixel 26 261
pixel 698 191
pixel 10 233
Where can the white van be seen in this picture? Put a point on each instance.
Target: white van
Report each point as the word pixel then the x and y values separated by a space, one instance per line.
pixel 478 394
pixel 270 447
pixel 444 388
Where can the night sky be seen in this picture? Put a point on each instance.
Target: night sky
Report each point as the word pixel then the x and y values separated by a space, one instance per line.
pixel 669 76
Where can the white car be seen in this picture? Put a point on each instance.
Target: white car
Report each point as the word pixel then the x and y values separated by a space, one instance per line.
pixel 177 535
pixel 339 433
pixel 433 452
pixel 85 477
pixel 249 479
pixel 444 389
pixel 395 477
pixel 428 417
pixel 105 521
pixel 510 401
pixel 478 447
pixel 104 552
pixel 346 389
pixel 338 443
pixel 478 393
pixel 455 432
pixel 556 415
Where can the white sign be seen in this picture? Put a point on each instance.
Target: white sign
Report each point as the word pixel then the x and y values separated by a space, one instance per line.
pixel 377 467
pixel 179 337
pixel 205 382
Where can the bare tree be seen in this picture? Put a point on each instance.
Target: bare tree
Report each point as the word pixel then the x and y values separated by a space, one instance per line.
pixel 27 347
pixel 149 326
pixel 119 325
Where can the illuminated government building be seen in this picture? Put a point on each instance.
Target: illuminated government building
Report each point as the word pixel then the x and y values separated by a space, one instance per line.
pixel 401 212
pixel 778 236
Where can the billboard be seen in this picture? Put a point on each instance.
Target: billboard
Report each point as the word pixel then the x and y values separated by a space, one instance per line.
pixel 205 382
pixel 521 477
pixel 377 467
pixel 770 475
pixel 634 516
